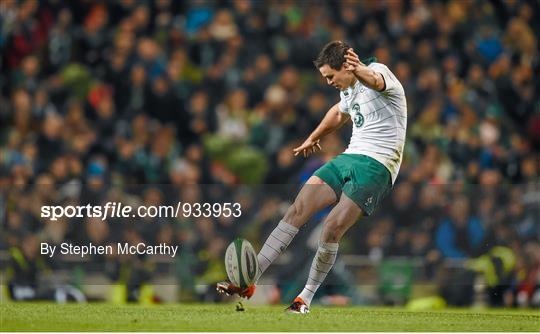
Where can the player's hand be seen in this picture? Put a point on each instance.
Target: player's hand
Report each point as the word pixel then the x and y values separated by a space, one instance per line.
pixel 352 62
pixel 308 147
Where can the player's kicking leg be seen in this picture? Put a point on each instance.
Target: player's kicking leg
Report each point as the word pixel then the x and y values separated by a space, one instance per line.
pixel 313 197
pixel 339 220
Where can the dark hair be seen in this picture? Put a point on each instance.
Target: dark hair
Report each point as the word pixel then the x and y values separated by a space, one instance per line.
pixel 332 54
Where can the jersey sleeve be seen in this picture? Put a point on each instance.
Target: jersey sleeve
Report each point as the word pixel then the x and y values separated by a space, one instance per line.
pixel 392 85
pixel 342 106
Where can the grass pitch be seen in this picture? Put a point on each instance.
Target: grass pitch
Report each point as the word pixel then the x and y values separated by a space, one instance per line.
pixel 189 317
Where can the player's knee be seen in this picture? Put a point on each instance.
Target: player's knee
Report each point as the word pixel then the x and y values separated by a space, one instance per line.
pixel 295 213
pixel 333 231
pixel 295 210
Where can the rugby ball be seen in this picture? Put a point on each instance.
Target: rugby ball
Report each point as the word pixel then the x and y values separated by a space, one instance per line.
pixel 241 263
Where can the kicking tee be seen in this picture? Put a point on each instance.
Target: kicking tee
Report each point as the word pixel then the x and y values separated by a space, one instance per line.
pixel 379 120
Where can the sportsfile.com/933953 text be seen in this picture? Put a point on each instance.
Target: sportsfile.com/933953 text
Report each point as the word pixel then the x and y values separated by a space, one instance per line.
pixel 119 210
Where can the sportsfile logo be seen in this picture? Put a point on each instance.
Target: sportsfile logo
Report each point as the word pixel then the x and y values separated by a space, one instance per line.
pixel 110 209
pixel 119 210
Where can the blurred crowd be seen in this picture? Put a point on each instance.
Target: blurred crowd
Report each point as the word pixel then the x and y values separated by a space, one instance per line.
pixel 133 92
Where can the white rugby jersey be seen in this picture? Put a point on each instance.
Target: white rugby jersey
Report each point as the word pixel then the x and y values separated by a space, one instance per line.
pixel 379 120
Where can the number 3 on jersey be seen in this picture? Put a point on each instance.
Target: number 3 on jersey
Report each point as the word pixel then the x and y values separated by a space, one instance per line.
pixel 358 118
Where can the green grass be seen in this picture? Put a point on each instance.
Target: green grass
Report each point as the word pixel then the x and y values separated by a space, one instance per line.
pixel 106 317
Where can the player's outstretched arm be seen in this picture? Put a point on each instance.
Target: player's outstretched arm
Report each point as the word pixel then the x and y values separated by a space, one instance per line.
pixel 366 75
pixel 332 121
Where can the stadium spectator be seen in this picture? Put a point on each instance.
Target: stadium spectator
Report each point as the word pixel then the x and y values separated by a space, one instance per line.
pixel 460 235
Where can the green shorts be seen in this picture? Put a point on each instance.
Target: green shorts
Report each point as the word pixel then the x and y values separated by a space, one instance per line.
pixel 363 179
